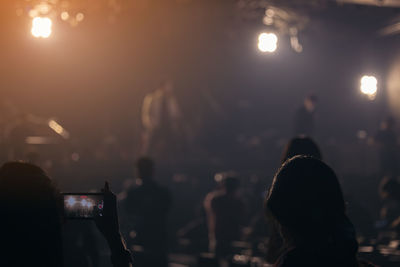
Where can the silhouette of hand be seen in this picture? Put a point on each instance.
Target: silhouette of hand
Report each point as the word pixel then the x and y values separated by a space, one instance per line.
pixel 107 221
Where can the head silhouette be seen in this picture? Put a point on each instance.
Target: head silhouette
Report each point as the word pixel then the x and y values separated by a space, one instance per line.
pixel 388 123
pixel 145 168
pixel 230 184
pixel 389 188
pixel 307 202
pixel 30 205
pixel 301 145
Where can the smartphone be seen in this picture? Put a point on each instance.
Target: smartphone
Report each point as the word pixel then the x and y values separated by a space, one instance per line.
pixel 83 205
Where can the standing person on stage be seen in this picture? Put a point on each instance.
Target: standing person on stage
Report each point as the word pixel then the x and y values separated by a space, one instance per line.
pixel 148 205
pixel 161 119
pixel 386 138
pixel 304 118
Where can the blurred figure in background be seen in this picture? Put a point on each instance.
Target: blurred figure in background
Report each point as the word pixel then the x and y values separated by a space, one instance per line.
pixel 307 203
pixel 301 145
pixel 386 138
pixel 147 205
pixel 304 123
pixel 161 120
pixel 225 211
pixel 390 194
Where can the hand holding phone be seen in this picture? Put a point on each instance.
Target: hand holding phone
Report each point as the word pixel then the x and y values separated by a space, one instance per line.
pixel 107 221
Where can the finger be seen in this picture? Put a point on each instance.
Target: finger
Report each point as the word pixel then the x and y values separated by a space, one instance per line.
pixel 96 215
pixel 106 186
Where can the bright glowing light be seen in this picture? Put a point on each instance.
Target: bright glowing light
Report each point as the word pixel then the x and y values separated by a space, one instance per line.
pixel 64 15
pixel 267 42
pixel 55 126
pixel 41 27
pixel 84 202
pixel 43 8
pixel 89 204
pixel 33 13
pixel 71 201
pixel 369 86
pixel 80 17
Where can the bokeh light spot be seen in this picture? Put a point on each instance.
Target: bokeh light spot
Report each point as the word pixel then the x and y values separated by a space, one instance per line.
pixel 41 27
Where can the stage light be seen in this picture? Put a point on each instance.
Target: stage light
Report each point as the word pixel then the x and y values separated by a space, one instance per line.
pixel 55 126
pixel 369 86
pixel 267 42
pixel 80 17
pixel 64 15
pixel 41 27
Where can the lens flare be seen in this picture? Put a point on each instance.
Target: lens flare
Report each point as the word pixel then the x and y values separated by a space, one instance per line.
pixel 267 42
pixel 41 27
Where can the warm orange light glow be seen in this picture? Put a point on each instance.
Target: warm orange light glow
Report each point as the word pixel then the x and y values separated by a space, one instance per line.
pixel 64 15
pixel 80 17
pixel 55 126
pixel 41 27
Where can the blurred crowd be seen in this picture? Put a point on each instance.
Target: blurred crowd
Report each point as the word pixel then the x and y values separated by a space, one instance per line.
pixel 302 218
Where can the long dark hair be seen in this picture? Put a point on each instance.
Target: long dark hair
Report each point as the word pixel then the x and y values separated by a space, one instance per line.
pixel 307 202
pixel 31 224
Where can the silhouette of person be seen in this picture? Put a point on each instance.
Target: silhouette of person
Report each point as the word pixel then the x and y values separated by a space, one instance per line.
pixel 386 138
pixel 389 190
pixel 301 145
pixel 30 228
pixel 161 120
pixel 225 216
pixel 148 204
pixel 304 117
pixel 307 203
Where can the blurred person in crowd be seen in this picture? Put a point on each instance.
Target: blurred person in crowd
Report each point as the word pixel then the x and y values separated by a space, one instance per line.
pixel 147 204
pixel 301 145
pixel 225 211
pixel 389 190
pixel 304 122
pixel 386 138
pixel 32 210
pixel 161 120
pixel 307 203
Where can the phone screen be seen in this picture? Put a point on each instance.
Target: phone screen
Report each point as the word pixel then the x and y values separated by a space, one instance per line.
pixel 83 205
